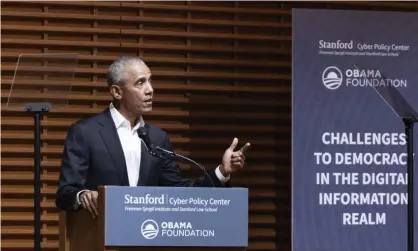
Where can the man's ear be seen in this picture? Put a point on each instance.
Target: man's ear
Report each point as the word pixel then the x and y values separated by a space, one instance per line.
pixel 116 92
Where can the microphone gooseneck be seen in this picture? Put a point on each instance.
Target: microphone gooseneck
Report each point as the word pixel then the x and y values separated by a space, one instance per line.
pixel 165 154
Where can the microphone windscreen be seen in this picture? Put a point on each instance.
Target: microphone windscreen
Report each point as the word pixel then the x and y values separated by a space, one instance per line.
pixel 143 134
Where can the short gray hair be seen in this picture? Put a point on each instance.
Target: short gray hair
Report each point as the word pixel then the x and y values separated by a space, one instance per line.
pixel 116 71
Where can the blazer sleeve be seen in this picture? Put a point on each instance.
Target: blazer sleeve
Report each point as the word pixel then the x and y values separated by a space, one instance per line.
pixel 171 175
pixel 74 167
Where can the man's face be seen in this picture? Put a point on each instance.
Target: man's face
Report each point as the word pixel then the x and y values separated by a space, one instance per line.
pixel 136 91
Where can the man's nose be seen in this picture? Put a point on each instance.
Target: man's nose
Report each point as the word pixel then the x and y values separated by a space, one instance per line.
pixel 149 89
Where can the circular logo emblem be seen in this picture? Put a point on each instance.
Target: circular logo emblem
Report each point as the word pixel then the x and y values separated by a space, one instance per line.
pixel 332 77
pixel 149 229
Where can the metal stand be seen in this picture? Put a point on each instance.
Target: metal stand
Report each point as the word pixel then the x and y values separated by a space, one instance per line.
pixel 174 156
pixel 38 109
pixel 409 131
pixel 164 154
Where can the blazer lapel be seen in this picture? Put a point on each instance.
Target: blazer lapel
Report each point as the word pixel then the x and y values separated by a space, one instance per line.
pixel 111 139
pixel 145 167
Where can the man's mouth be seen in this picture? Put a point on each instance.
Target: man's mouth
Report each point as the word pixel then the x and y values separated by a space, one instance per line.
pixel 148 101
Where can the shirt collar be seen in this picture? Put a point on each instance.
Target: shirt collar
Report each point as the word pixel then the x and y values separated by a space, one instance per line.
pixel 121 121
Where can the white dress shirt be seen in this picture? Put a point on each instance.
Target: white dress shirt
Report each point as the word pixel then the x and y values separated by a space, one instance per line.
pixel 131 145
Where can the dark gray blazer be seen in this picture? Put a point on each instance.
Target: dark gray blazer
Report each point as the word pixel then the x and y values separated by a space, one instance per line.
pixel 93 157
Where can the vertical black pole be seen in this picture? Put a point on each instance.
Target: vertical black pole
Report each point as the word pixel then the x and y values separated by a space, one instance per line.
pixel 37 182
pixel 409 131
pixel 38 109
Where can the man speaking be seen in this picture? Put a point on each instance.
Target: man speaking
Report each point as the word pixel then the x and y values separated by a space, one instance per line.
pixel 105 149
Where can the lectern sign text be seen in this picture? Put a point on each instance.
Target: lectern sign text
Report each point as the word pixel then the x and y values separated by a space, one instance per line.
pixel 181 216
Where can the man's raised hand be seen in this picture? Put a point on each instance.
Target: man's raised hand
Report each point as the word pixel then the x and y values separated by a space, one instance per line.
pixel 233 160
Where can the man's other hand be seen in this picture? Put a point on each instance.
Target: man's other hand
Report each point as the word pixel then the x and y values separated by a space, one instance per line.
pixel 89 201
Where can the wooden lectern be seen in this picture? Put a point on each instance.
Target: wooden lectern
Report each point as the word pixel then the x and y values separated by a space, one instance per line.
pixel 80 232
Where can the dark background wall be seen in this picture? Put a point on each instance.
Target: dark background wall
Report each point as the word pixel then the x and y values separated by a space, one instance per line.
pixel 220 70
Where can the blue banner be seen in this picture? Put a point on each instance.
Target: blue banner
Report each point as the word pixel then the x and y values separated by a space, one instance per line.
pixel 349 187
pixel 176 216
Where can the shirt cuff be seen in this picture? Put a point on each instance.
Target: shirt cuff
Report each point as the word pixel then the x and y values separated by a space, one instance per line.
pixel 78 197
pixel 221 178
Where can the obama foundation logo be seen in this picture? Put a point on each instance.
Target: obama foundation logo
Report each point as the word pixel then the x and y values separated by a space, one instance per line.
pixel 149 229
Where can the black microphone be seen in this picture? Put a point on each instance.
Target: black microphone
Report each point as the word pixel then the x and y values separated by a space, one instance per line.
pixel 143 134
pixel 165 154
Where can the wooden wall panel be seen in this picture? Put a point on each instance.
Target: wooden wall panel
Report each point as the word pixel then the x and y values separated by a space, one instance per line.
pixel 221 70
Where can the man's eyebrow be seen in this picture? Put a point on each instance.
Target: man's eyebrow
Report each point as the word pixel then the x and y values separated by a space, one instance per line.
pixel 143 74
pixel 142 79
